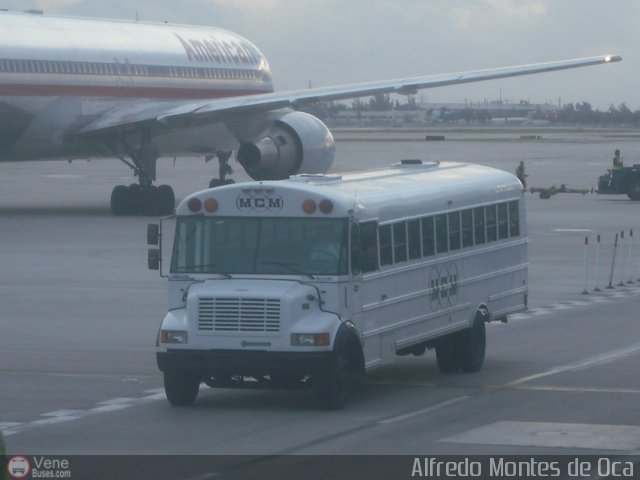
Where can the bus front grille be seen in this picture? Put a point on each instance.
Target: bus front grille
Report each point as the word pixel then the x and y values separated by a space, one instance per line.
pixel 239 314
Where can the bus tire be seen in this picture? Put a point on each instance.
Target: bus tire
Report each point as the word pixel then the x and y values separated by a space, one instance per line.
pixel 181 389
pixel 334 385
pixel 473 342
pixel 447 354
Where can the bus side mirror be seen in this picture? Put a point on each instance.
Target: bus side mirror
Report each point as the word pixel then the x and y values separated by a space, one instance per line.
pixel 153 259
pixel 153 234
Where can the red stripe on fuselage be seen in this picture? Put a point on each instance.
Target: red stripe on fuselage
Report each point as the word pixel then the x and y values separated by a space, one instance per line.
pixel 123 91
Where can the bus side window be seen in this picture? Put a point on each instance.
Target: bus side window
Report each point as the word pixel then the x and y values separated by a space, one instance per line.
pixel 386 251
pixel 399 242
pixel 514 219
pixel 492 225
pixel 428 237
pixel 478 225
pixel 441 233
pixel 503 221
pixel 369 246
pixel 467 228
pixel 413 227
pixel 454 231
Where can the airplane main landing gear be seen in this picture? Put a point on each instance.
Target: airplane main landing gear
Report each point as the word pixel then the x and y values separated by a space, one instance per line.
pixel 138 199
pixel 143 198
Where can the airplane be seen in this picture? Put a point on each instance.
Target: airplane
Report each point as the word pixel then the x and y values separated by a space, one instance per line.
pixel 80 88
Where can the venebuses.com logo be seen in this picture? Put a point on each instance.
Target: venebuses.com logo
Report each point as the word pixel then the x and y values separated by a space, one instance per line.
pixel 38 467
pixel 18 467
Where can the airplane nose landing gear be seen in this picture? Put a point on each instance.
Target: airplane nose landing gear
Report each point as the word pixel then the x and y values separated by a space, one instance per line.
pixel 224 170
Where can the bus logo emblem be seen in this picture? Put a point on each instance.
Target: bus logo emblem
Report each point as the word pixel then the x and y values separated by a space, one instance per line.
pixel 444 286
pixel 259 200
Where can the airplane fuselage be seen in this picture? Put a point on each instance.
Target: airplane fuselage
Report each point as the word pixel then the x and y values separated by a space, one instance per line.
pixel 84 88
pixel 57 74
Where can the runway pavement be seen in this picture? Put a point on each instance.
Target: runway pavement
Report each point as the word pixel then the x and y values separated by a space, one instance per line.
pixel 80 311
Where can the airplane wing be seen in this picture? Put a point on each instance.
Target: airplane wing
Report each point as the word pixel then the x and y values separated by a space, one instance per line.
pixel 177 113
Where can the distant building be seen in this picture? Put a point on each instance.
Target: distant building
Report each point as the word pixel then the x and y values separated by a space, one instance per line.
pixel 467 113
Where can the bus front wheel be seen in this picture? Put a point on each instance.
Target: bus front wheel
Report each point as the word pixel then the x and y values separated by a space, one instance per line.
pixel 334 385
pixel 181 389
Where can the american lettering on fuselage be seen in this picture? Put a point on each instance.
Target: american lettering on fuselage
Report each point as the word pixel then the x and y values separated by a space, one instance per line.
pixel 161 90
pixel 213 50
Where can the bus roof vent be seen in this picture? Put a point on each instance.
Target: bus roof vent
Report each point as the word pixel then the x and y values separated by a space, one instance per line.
pixel 315 178
pixel 412 162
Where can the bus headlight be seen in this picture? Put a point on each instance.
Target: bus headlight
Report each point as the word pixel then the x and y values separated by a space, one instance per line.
pixel 173 336
pixel 310 339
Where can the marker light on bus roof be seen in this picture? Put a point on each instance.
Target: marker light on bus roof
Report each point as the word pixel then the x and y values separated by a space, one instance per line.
pixel 326 206
pixel 309 206
pixel 211 205
pixel 195 204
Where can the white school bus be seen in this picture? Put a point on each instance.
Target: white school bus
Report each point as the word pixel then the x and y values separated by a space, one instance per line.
pixel 315 280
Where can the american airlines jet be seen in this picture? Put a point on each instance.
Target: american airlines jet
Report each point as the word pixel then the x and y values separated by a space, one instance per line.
pixel 84 88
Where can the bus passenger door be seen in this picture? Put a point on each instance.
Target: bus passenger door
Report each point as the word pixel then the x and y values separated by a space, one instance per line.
pixel 364 259
pixel 353 294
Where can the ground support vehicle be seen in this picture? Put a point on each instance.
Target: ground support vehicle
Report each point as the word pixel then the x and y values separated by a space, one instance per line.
pixel 621 181
pixel 313 281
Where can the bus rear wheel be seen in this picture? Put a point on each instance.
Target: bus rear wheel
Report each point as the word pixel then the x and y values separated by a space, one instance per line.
pixel 473 344
pixel 447 354
pixel 464 350
pixel 181 389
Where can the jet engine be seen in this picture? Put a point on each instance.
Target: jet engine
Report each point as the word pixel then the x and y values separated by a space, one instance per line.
pixel 295 142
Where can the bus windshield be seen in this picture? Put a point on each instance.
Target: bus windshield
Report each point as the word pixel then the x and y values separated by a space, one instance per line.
pixel 254 245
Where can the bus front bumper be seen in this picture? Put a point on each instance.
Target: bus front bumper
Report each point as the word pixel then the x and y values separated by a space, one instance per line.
pixel 226 363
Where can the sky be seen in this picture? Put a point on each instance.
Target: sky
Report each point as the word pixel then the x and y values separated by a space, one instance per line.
pixel 334 42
